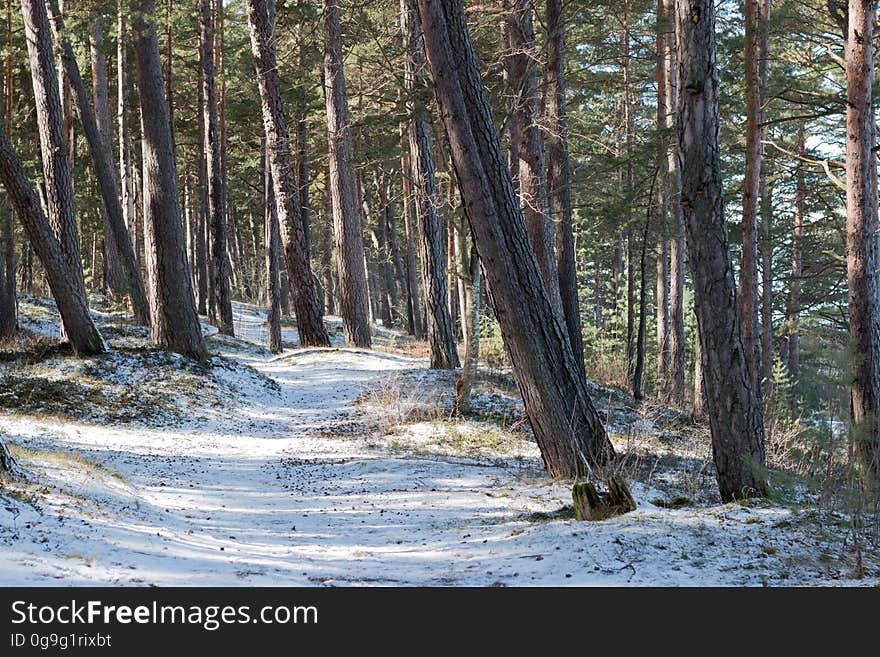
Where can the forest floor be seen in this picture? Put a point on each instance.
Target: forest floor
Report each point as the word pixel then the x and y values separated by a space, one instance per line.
pixel 345 467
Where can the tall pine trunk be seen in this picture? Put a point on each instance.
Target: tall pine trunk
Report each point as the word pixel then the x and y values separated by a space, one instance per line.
pixel 735 418
pixel 173 320
pixel 567 428
pixel 861 229
pixel 441 336
pixel 310 323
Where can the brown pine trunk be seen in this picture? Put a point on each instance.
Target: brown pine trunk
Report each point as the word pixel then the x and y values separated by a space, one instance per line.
pixel 734 410
pixel 8 306
pixel 216 211
pixel 861 241
pixel 273 265
pixel 69 294
pixel 113 275
pixel 794 290
pixel 766 276
pixel 523 81
pixel 53 143
pixel 347 217
pixel 122 260
pixel 567 428
pixel 558 181
pixel 414 314
pixel 665 39
pixel 441 336
pixel 174 323
pixel 310 323
pixel 748 279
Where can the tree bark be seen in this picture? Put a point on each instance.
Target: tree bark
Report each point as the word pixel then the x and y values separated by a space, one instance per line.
pixel 68 293
pixel 567 428
pixel 665 40
pixel 735 418
pixel 793 334
pixel 216 211
pixel 414 313
pixel 310 323
pixel 558 177
pixel 273 266
pixel 97 134
pixel 441 336
pixel 173 320
pixel 53 143
pixel 861 230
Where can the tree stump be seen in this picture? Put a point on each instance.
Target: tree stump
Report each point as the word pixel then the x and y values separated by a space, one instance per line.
pixel 590 504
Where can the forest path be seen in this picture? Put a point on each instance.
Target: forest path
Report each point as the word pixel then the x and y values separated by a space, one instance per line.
pixel 285 488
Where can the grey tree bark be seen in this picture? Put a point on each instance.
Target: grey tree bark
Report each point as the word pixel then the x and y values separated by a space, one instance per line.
pixel 735 417
pixel 310 323
pixel 558 178
pixel 173 319
pixel 123 260
pixel 216 210
pixel 273 265
pixel 568 430
pixel 441 335
pixel 69 295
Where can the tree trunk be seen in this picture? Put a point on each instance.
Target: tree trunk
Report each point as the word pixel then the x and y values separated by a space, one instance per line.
pixel 567 428
pixel 216 211
pixel 123 260
pixel 748 279
pixel 441 336
pixel 113 275
pixel 273 266
pixel 69 294
pixel 310 323
pixel 8 305
pixel 414 313
pixel 465 383
pixel 174 323
pixel 766 275
pixel 665 42
pixel 639 366
pixel 794 291
pixel 53 144
pixel 558 181
pixel 861 241
pixel 735 418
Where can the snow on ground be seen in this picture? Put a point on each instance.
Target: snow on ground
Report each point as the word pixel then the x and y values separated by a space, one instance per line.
pixel 287 486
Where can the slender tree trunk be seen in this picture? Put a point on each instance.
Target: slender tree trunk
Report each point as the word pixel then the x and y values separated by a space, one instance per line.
pixel 97 133
pixel 699 386
pixel 567 428
pixel 414 313
pixel 125 177
pixel 639 365
pixel 735 418
pixel 174 322
pixel 69 294
pixel 113 274
pixel 53 144
pixel 665 40
pixel 464 385
pixel 861 231
pixel 440 331
pixel 310 324
pixel 8 305
pixel 794 290
pixel 273 266
pixel 748 280
pixel 558 177
pixel 530 151
pixel 216 210
pixel 766 275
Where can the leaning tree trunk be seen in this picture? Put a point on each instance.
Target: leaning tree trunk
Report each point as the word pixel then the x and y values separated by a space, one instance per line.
pixel 558 181
pixel 735 418
pixel 347 217
pixel 441 334
pixel 53 144
pixel 861 240
pixel 261 19
pixel 567 428
pixel 216 210
pixel 173 319
pixel 113 275
pixel 97 135
pixel 69 295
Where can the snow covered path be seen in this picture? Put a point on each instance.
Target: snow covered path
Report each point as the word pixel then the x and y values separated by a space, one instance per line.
pixel 278 493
